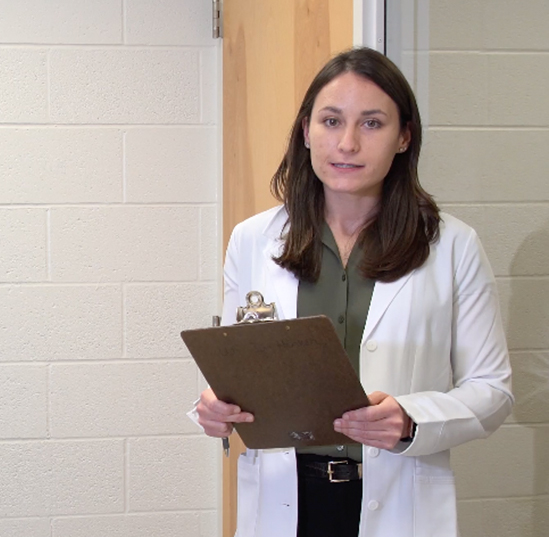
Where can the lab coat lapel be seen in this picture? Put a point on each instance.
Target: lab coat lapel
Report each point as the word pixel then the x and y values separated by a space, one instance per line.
pixel 383 295
pixel 282 283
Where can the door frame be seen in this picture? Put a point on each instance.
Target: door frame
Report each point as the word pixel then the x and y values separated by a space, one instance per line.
pixel 369 19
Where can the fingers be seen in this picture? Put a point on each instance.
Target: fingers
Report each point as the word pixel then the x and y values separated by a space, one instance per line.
pixel 380 425
pixel 217 417
pixel 382 406
pixel 384 438
pixel 216 428
pixel 376 397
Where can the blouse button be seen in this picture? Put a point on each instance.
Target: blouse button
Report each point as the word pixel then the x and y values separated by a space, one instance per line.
pixel 373 452
pixel 373 505
pixel 371 345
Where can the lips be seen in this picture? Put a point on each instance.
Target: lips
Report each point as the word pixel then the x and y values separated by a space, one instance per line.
pixel 346 166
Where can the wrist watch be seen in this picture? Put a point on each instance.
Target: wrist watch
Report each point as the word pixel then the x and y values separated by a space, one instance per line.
pixel 411 433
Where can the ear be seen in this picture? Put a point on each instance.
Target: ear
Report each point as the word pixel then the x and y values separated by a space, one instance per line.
pixel 405 137
pixel 305 127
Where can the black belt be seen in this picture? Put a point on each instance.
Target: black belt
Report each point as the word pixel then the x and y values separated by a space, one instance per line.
pixel 334 471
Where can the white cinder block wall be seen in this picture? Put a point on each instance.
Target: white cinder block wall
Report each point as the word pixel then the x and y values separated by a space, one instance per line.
pixel 486 161
pixel 108 247
pixel 109 172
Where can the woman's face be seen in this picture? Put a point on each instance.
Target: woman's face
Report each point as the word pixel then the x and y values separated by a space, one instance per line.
pixel 354 133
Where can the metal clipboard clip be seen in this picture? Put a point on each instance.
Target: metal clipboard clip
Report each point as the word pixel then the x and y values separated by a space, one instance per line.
pixel 255 310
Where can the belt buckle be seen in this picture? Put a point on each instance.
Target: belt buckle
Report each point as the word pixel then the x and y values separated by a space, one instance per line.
pixel 331 472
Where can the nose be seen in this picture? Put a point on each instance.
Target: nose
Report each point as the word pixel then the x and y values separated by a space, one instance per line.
pixel 349 141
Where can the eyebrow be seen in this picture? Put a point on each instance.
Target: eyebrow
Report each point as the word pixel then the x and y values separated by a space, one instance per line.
pixel 336 110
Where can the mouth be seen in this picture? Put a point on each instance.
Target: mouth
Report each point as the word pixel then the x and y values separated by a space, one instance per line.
pixel 346 166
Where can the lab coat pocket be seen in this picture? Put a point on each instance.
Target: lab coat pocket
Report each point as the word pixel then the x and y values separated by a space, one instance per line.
pixel 435 506
pixel 248 495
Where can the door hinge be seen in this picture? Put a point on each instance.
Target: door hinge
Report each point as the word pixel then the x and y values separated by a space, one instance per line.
pixel 216 19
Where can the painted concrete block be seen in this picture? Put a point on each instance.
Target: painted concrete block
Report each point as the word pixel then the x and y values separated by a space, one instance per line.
pixel 150 399
pixel 61 478
pixel 25 527
pixel 455 99
pixel 131 525
pixel 59 165
pixel 515 25
pixel 23 401
pixel 455 25
pixel 171 165
pixel 25 98
pixel 515 237
pixel 210 91
pixel 23 245
pixel 121 243
pixel 165 22
pixel 530 387
pixel 525 311
pixel 164 474
pixel 512 457
pixel 485 165
pixel 517 87
pixel 49 323
pixel 156 314
pixel 134 85
pixel 507 517
pixel 62 22
pixel 210 245
pixel 210 521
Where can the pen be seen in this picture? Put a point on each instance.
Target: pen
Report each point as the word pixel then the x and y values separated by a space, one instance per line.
pixel 216 321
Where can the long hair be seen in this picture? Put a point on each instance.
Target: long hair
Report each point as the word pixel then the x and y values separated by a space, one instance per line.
pixel 397 238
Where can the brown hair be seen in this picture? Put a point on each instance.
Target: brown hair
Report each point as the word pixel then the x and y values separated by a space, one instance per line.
pixel 396 240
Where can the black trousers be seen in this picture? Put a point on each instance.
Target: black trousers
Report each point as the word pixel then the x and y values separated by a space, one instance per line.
pixel 328 509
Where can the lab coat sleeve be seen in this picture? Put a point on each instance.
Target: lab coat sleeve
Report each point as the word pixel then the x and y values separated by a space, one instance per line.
pixel 481 397
pixel 231 299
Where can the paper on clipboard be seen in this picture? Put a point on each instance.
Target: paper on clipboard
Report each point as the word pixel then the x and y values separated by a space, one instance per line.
pixel 293 375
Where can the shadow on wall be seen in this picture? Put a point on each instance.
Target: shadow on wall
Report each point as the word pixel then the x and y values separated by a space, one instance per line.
pixel 529 329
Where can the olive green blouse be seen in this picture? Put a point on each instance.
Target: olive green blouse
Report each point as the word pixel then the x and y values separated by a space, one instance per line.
pixel 343 295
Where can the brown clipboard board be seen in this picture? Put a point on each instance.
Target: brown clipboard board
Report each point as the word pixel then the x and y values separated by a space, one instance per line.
pixel 293 375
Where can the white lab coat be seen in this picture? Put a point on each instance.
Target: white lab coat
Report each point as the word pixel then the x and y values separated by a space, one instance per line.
pixel 433 339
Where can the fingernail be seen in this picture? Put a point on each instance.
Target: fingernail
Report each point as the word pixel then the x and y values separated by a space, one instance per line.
pixel 249 418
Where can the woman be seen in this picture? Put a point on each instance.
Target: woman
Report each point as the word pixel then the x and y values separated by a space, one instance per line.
pixel 411 295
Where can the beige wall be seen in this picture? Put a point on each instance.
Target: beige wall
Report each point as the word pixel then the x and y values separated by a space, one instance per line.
pixel 108 187
pixel 108 248
pixel 486 162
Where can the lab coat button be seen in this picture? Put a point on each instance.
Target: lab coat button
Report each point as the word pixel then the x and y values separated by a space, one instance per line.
pixel 373 452
pixel 371 345
pixel 373 505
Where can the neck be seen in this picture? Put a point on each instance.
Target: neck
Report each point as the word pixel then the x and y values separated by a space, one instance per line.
pixel 348 215
pixel 346 218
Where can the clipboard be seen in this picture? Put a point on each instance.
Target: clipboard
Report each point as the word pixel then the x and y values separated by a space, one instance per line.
pixel 293 375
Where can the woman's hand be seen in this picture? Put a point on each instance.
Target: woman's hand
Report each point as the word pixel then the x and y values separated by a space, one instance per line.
pixel 217 417
pixel 381 425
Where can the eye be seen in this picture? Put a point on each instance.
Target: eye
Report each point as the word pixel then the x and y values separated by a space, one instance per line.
pixel 372 123
pixel 331 122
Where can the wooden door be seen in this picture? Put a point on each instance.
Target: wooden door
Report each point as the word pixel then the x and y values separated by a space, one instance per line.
pixel 271 52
